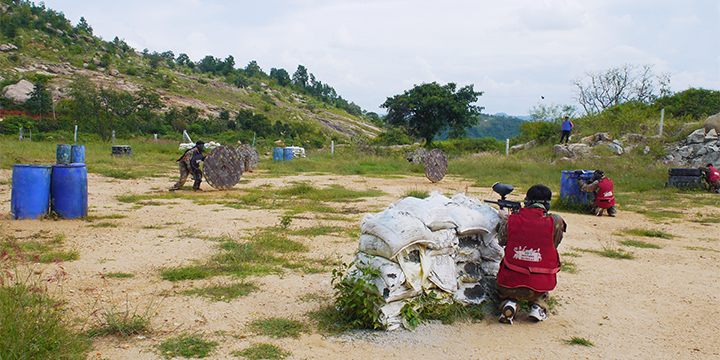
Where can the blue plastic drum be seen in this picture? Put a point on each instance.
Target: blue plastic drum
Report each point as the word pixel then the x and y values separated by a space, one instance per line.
pixel 277 154
pixel 64 154
pixel 569 187
pixel 287 154
pixel 30 195
pixel 78 154
pixel 69 193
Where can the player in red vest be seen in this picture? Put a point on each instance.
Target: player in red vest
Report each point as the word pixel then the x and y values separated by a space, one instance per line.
pixel 527 271
pixel 602 188
pixel 712 176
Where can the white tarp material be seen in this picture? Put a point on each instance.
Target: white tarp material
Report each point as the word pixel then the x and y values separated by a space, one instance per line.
pixel 440 245
pixel 396 228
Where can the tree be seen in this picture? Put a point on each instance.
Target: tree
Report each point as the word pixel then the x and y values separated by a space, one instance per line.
pixel 281 76
pixel 428 109
pixel 252 69
pixel 40 101
pixel 300 77
pixel 601 90
pixel 83 26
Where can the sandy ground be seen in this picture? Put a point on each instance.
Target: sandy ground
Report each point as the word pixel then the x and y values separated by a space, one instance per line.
pixel 661 305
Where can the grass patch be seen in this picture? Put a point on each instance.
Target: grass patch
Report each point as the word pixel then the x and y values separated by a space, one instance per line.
pixel 112 216
pixel 416 193
pixel 313 297
pixel 649 233
pixel 224 292
pixel 579 341
pixel 103 224
pixel 568 267
pixel 660 214
pixel 39 247
pixel 34 327
pixel 196 272
pixel 262 351
pixel 317 231
pixel 565 205
pixel 118 275
pixel 120 321
pixel 611 252
pixel 278 328
pixel 696 248
pixel 571 254
pixel 187 345
pixel 639 244
pixel 707 219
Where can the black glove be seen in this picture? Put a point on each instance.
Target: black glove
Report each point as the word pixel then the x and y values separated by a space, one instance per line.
pixel 579 172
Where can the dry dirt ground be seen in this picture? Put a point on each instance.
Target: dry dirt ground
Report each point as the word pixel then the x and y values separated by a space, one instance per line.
pixel 661 305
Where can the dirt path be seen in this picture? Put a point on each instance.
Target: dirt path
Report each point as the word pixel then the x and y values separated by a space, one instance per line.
pixel 661 305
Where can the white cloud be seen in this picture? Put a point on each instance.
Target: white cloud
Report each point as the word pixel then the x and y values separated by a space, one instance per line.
pixel 368 50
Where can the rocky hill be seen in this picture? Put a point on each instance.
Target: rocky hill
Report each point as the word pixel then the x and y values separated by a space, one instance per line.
pixel 50 48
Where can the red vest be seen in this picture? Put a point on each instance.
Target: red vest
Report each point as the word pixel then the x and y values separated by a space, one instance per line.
pixel 604 194
pixel 713 174
pixel 531 259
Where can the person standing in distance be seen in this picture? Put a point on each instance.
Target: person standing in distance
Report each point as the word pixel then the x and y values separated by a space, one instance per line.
pixel 567 127
pixel 189 163
pixel 531 261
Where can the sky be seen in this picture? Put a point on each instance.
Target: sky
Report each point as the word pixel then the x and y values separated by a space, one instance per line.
pixel 520 54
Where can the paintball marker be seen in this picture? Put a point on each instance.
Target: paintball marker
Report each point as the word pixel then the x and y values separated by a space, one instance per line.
pixel 503 190
pixel 585 176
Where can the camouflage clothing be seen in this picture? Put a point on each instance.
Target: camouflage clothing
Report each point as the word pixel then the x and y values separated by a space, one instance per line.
pixel 593 187
pixel 713 186
pixel 524 293
pixel 189 164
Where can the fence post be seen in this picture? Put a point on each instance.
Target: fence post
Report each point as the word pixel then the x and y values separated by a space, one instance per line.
pixel 507 147
pixel 662 117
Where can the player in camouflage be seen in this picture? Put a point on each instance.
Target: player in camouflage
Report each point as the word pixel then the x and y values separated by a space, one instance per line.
pixel 189 163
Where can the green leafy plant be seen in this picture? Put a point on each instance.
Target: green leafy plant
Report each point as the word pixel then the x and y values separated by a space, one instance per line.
pixel 568 267
pixel 120 321
pixel 355 299
pixel 187 345
pixel 430 307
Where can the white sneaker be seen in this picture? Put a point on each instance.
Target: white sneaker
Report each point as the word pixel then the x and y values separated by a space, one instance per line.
pixel 538 313
pixel 508 312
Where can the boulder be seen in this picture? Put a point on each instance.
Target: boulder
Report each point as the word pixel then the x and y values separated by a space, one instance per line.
pixel 712 122
pixel 7 47
pixel 571 150
pixel 615 148
pixel 562 151
pixel 19 93
pixel 697 137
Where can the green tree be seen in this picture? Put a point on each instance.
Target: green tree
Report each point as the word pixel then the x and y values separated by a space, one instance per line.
pixel 40 101
pixel 300 77
pixel 253 69
pixel 281 76
pixel 428 109
pixel 83 26
pixel 696 103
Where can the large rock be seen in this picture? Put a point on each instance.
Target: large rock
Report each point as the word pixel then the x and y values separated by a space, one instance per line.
pixel 697 137
pixel 20 92
pixel 7 47
pixel 712 122
pixel 616 147
pixel 571 150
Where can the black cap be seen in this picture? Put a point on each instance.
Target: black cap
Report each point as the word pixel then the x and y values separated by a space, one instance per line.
pixel 199 143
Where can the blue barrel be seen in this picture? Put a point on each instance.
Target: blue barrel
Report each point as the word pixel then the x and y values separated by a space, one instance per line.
pixel 277 154
pixel 68 192
pixel 78 154
pixel 30 198
pixel 569 187
pixel 287 154
pixel 64 154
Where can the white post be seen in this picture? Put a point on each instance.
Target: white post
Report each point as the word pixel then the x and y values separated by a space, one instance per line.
pixel 20 134
pixel 75 133
pixel 113 136
pixel 662 117
pixel 155 136
pixel 332 146
pixel 507 147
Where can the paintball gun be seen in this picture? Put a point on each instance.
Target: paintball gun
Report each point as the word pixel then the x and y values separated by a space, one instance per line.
pixel 503 190
pixel 583 175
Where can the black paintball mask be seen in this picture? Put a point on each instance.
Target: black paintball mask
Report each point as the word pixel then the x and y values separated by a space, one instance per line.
pixel 538 194
pixel 200 145
pixel 598 175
